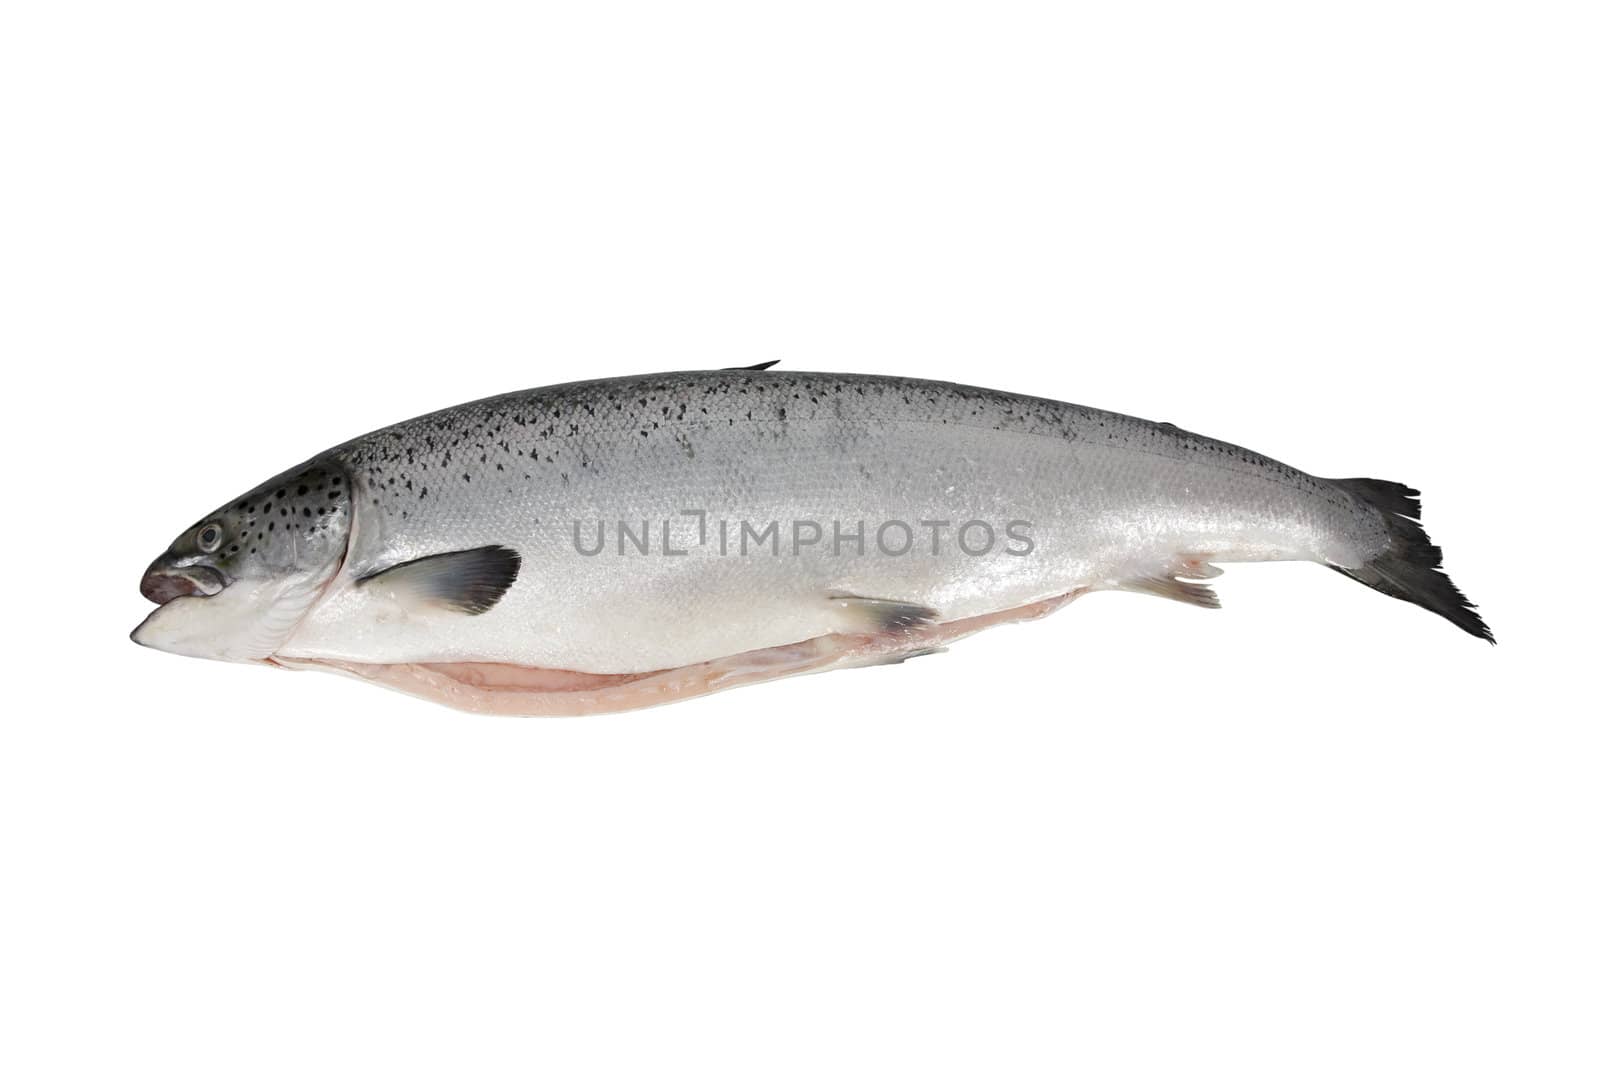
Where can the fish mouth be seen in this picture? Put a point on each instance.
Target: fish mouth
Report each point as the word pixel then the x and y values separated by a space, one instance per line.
pixel 164 584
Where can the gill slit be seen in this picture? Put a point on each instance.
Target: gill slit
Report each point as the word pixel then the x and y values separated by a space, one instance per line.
pixel 328 586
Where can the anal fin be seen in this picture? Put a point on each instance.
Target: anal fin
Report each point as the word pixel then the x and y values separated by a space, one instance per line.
pixel 1173 588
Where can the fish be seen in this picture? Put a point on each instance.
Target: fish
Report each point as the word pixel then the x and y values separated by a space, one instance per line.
pixel 613 544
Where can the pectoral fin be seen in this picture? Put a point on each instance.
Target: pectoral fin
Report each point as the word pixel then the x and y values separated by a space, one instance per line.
pixel 471 581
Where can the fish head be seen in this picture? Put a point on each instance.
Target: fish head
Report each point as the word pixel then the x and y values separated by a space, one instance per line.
pixel 235 584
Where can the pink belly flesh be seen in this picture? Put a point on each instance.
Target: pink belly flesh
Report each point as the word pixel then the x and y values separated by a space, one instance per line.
pixel 514 689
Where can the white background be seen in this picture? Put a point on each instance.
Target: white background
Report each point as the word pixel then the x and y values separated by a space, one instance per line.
pixel 1317 827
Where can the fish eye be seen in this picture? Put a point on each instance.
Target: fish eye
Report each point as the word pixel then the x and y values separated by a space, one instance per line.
pixel 209 537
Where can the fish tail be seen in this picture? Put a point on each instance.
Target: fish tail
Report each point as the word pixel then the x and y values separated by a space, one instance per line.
pixel 1409 568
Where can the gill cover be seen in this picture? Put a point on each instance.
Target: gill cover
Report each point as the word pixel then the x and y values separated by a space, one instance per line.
pixel 235 584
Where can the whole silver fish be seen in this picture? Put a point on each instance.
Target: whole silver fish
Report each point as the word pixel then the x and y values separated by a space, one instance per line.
pixel 611 544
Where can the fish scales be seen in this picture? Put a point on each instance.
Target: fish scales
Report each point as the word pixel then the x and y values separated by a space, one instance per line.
pixel 653 523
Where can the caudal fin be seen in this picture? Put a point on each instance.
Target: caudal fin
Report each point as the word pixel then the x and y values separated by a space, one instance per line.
pixel 1409 569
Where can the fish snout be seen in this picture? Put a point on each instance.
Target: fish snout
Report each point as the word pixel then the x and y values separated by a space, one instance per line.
pixel 163 583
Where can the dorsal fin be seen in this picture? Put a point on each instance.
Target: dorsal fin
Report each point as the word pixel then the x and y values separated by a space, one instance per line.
pixel 471 581
pixel 756 366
